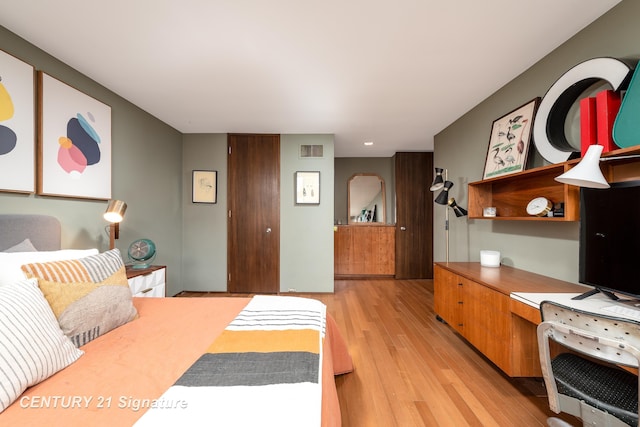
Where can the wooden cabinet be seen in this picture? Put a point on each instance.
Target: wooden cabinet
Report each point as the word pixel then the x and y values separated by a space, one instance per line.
pixel 449 301
pixel 476 312
pixel 147 282
pixel 475 301
pixel 487 323
pixel 511 193
pixel 364 250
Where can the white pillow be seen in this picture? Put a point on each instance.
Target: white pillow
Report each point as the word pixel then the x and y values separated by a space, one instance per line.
pixel 24 246
pixel 32 345
pixel 10 262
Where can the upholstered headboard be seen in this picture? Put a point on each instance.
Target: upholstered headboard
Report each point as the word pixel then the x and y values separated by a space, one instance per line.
pixel 44 231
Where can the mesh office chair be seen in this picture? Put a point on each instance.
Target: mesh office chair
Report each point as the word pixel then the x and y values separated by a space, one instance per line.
pixel 587 381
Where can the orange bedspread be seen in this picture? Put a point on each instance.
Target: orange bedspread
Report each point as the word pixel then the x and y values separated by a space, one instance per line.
pixel 143 358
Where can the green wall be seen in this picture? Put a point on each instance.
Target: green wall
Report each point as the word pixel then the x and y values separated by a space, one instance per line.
pixel 306 232
pixel 545 248
pixel 146 173
pixel 204 226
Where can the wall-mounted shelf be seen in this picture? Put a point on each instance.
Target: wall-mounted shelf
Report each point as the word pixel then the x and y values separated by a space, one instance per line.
pixel 511 193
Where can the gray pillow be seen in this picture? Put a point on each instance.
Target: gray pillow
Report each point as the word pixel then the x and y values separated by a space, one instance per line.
pixel 24 246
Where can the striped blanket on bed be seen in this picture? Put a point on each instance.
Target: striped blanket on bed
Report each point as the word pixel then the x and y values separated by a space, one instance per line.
pixel 264 369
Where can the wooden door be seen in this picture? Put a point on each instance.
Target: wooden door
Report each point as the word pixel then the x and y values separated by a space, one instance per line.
pixel 253 239
pixel 414 215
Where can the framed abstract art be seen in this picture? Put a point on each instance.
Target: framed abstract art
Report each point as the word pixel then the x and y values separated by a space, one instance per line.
pixel 17 125
pixel 74 142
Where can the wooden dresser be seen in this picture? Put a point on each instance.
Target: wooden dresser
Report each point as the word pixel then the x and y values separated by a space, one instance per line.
pixel 364 250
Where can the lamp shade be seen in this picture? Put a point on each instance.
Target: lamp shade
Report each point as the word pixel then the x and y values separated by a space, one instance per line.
pixel 115 211
pixel 587 173
pixel 438 180
pixel 443 197
pixel 456 209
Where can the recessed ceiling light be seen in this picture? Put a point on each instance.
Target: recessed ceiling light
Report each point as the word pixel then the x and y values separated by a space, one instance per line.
pixel 367 143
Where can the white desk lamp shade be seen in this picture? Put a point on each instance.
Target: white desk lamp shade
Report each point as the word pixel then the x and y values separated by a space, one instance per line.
pixel 587 173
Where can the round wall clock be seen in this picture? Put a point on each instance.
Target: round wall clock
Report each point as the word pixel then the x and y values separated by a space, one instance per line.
pixel 540 206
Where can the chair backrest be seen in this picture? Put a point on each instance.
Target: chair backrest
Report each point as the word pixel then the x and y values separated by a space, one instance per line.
pixel 610 339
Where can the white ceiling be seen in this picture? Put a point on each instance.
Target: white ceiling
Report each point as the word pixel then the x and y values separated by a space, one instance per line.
pixel 391 72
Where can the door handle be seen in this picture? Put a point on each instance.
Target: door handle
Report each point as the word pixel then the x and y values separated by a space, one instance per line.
pixel 403 228
pixel 268 229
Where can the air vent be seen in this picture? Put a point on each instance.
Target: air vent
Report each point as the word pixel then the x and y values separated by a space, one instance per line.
pixel 311 151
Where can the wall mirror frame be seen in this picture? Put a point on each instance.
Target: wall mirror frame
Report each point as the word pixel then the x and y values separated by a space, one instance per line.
pixel 366 199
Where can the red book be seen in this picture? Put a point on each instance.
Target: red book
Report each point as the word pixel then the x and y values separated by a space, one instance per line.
pixel 607 106
pixel 587 124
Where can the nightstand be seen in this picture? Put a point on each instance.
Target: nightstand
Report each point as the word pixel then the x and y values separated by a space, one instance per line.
pixel 147 282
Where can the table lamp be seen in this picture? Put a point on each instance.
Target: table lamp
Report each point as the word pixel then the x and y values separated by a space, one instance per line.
pixel 114 214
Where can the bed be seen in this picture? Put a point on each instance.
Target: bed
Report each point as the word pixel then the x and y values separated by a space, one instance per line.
pixel 266 360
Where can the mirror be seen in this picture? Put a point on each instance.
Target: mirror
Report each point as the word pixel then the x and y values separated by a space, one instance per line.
pixel 366 199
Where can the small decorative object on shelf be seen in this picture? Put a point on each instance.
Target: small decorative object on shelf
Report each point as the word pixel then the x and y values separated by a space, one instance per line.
pixel 540 206
pixel 548 129
pixel 558 209
pixel 489 211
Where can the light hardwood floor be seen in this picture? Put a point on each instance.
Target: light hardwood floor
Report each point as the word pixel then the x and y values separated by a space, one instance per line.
pixel 412 370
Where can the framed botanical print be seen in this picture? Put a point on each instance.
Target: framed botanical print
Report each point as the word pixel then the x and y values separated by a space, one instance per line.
pixel 307 188
pixel 509 141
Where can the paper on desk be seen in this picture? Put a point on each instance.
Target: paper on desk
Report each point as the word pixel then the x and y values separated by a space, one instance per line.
pixel 535 298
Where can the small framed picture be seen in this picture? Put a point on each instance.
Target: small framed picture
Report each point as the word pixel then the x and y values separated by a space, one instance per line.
pixel 307 188
pixel 509 141
pixel 205 186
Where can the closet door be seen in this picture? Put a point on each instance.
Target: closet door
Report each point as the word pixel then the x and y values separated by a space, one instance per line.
pixel 414 215
pixel 253 242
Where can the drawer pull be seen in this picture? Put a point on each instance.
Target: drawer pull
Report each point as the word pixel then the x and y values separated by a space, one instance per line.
pixel 146 290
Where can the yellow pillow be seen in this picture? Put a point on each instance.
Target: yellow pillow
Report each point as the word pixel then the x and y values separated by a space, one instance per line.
pixel 89 296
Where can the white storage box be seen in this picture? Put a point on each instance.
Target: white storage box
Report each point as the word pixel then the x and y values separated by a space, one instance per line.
pixel 490 258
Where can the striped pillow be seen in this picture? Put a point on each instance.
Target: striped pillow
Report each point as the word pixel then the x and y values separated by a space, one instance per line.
pixel 32 346
pixel 90 296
